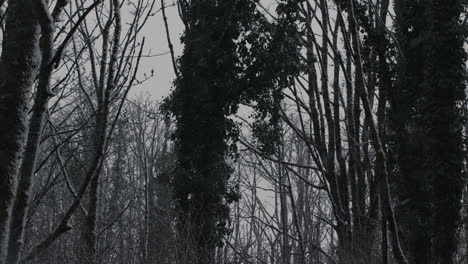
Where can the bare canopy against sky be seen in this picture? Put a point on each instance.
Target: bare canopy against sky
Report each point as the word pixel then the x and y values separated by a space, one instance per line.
pixel 157 53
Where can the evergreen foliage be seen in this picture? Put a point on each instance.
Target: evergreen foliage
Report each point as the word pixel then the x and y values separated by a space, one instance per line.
pixel 232 56
pixel 426 117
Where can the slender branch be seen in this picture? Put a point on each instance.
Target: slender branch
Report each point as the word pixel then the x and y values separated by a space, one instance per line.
pixel 168 36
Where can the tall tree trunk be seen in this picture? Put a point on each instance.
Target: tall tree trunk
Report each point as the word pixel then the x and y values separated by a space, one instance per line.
pixel 375 137
pixel 384 75
pixel 18 67
pixel 43 94
pixel 445 84
pixel 284 219
pixel 104 93
pixel 428 123
pixel 34 135
pixel 205 95
pixel 408 125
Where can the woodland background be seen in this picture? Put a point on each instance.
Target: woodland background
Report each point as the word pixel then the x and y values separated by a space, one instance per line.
pixel 295 132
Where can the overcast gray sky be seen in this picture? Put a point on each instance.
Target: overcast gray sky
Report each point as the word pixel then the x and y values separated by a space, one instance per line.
pixel 156 44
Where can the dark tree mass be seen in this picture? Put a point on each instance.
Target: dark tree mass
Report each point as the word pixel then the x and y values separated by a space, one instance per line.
pixel 294 132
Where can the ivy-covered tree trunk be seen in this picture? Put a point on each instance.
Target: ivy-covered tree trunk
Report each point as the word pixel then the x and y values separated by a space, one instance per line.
pixel 427 120
pixel 232 55
pixel 411 179
pixel 18 67
pixel 205 94
pixel 444 84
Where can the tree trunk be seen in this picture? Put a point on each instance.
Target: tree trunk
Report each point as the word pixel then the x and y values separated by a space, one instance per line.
pixel 18 67
pixel 445 84
pixel 104 94
pixel 43 94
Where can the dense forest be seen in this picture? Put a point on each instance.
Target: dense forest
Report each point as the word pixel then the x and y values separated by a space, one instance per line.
pixel 295 132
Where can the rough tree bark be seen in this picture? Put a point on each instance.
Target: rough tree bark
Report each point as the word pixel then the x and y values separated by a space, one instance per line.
pixel 47 22
pixel 18 67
